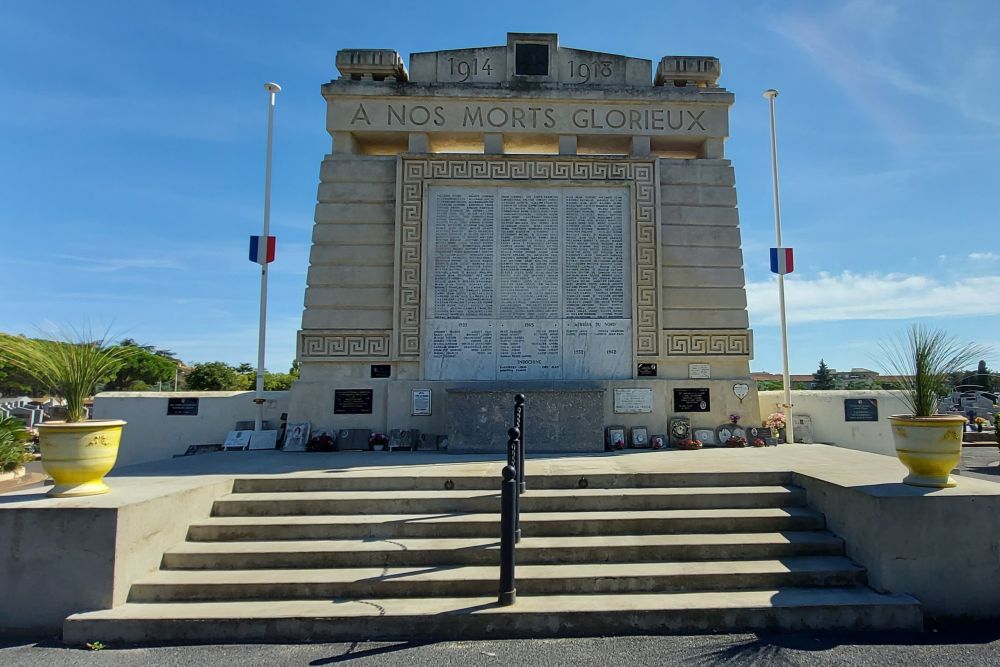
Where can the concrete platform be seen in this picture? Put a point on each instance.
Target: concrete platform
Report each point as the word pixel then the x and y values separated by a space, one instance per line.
pixel 64 556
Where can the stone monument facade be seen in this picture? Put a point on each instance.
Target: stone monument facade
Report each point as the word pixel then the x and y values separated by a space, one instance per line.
pixel 524 218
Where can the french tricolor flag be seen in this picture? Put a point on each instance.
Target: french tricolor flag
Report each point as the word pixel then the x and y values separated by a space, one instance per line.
pixel 781 261
pixel 257 249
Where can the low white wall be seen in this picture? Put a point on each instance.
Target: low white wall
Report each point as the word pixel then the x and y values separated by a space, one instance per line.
pixel 152 435
pixel 826 409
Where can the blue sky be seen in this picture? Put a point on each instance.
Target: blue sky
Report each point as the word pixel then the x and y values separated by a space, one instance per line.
pixel 132 160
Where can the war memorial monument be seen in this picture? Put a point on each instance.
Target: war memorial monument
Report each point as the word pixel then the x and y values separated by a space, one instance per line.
pixel 525 218
pixel 530 219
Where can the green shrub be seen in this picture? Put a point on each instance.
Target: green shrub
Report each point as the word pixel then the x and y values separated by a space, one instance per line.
pixel 13 444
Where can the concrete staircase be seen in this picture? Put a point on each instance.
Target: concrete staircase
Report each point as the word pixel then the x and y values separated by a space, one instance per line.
pixel 351 558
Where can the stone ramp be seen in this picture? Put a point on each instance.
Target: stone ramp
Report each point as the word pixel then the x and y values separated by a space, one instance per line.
pixel 337 559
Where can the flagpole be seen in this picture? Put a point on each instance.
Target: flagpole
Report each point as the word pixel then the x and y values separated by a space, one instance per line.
pixel 770 94
pixel 262 252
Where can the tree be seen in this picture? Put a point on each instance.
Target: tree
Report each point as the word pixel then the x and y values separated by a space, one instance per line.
pixel 984 377
pixel 823 377
pixel 216 376
pixel 278 381
pixel 145 367
pixel 770 385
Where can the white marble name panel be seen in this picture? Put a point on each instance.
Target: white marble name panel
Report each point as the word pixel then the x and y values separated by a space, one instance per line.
pixel 597 349
pixel 528 283
pixel 460 350
pixel 530 350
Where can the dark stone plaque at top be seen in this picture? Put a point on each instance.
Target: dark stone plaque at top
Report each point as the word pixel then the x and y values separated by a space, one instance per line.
pixel 182 406
pixel 692 399
pixel 531 59
pixel 861 409
pixel 352 401
pixel 381 370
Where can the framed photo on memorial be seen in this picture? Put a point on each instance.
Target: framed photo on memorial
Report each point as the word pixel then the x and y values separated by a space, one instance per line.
pixel 639 437
pixel 614 437
pixel 296 437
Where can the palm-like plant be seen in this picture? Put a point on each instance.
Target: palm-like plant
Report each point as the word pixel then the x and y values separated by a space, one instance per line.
pixel 923 359
pixel 71 368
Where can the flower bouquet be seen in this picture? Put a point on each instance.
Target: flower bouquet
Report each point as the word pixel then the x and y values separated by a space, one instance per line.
pixel 734 419
pixel 378 441
pixel 736 441
pixel 757 442
pixel 980 423
pixel 775 421
pixel 321 442
pixel 689 443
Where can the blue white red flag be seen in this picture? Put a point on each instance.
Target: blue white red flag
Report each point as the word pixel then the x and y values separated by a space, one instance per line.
pixel 781 261
pixel 257 249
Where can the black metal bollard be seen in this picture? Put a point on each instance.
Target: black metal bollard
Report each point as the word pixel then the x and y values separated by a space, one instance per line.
pixel 513 449
pixel 508 513
pixel 519 424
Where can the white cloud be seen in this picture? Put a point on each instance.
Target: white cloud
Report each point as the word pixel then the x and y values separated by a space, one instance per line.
pixel 983 256
pixel 851 296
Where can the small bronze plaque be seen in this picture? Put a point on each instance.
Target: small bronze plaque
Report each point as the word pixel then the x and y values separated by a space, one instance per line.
pixel 647 370
pixel 182 406
pixel 861 409
pixel 352 401
pixel 692 399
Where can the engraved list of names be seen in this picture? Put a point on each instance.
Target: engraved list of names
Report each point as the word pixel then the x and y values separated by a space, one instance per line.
pixel 528 283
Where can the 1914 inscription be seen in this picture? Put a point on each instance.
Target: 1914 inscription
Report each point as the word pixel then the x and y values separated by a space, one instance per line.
pixel 542 290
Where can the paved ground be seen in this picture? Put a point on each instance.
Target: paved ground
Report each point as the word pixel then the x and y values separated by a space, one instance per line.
pixel 966 647
pixel 981 462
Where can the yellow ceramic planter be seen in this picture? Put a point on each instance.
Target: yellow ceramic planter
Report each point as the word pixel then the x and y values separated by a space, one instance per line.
pixel 929 447
pixel 78 455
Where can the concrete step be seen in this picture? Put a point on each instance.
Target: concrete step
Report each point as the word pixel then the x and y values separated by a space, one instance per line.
pixel 545 500
pixel 587 578
pixel 782 609
pixel 342 482
pixel 534 524
pixel 412 552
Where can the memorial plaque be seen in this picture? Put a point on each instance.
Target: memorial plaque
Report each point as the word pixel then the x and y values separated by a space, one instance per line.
pixel 647 370
pixel 420 402
pixel 699 371
pixel 381 370
pixel 692 399
pixel 352 401
pixel 187 407
pixel 528 284
pixel 633 400
pixel 639 437
pixel 238 439
pixel 707 436
pixel 861 409
pixel 614 437
pixel 263 440
pixel 597 349
pixel 529 349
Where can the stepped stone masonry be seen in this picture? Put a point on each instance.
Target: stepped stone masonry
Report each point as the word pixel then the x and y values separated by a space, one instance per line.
pixel 409 557
pixel 523 217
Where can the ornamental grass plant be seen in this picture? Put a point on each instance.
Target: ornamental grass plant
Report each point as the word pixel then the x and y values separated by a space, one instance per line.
pixel 70 368
pixel 923 360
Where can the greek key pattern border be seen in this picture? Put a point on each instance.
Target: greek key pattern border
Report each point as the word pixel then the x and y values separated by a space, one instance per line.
pixel 343 344
pixel 415 172
pixel 699 344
